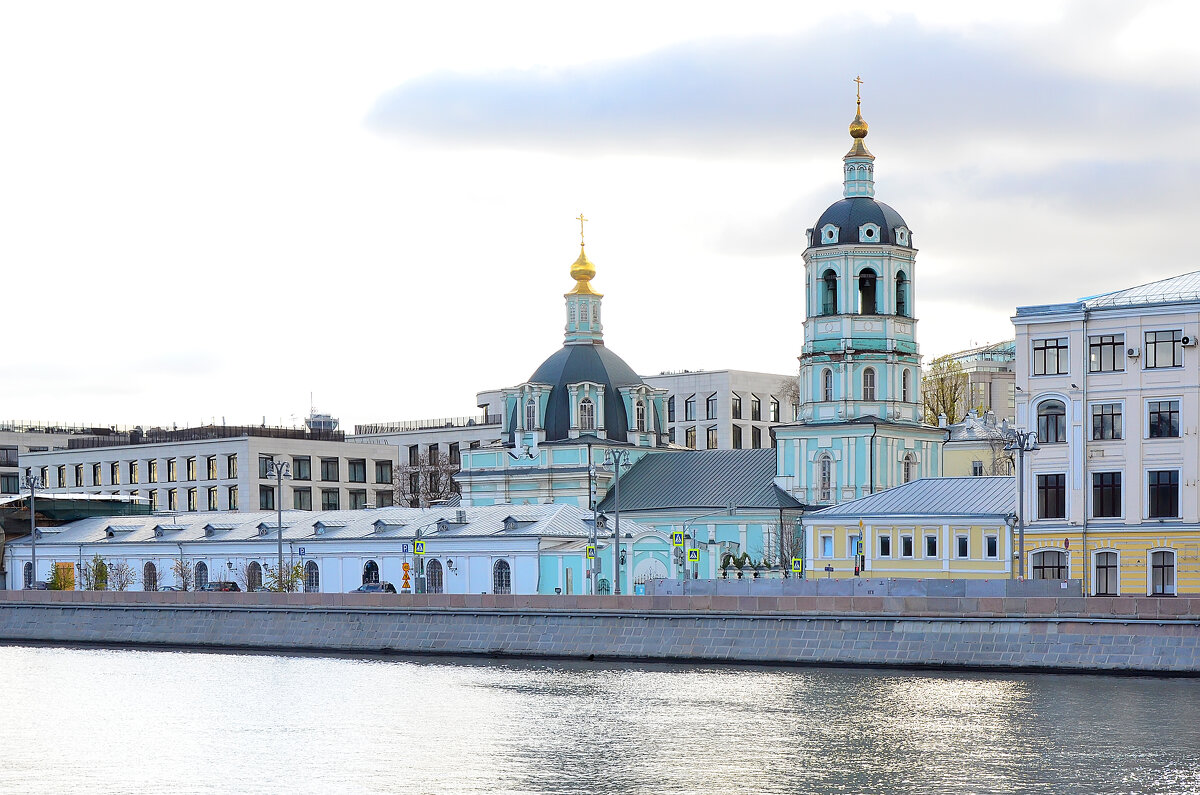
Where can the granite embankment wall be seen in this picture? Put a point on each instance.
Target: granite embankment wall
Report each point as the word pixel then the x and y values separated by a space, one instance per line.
pixel 1125 634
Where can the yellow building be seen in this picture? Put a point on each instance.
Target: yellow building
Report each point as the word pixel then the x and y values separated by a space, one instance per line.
pixel 975 447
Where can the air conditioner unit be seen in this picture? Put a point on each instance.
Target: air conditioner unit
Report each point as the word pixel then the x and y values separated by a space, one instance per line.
pixel 1188 342
pixel 1133 353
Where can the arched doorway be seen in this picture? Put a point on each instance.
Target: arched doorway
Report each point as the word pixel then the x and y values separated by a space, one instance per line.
pixel 253 576
pixel 28 576
pixel 434 582
pixel 201 575
pixel 370 572
pixel 149 577
pixel 501 577
pixel 312 577
pixel 649 569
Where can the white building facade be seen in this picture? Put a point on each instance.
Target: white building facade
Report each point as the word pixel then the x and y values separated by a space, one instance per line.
pixel 725 409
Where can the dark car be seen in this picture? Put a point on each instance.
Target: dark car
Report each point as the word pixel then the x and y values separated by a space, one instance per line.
pixel 38 586
pixel 375 587
pixel 220 585
pixel 168 588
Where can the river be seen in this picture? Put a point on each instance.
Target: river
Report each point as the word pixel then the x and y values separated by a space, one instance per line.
pixel 101 720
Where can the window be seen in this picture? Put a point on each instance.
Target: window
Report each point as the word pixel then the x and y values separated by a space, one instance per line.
pixel 384 499
pixel 266 498
pixel 756 437
pixel 1163 493
pixel 827 386
pixel 671 409
pixel 435 482
pixel 231 465
pixel 153 500
pixel 1163 419
pixel 991 546
pixel 191 468
pixel 866 292
pixel 10 484
pixel 264 466
pixel 737 437
pixel 432 454
pixel 62 476
pixel 1106 495
pixel 330 500
pixel 172 500
pixel 902 307
pixel 908 469
pixel 302 499
pixel 1106 421
pixel 1050 564
pixel 829 293
pixel 587 415
pixel 736 401
pixel 96 475
pixel 301 468
pixel 1052 496
pixel 358 470
pixel 414 487
pixel 329 469
pixel 1052 422
pixel 312 577
pixel 201 576
pixel 689 438
pixel 1050 357
pixel 689 408
pixel 149 577
pixel 1162 573
pixel 455 455
pixel 152 470
pixel 827 546
pixel 232 493
pixel 825 479
pixel 133 472
pixel 358 499
pixel 414 456
pixel 212 499
pixel 1106 574
pixel 885 546
pixel 962 547
pixel 28 575
pixel 114 473
pixel 9 457
pixel 906 387
pixel 755 408
pixel 640 416
pixel 501 577
pixel 79 474
pixel 1106 353
pixel 433 577
pixel 976 468
pixel 774 410
pixel 710 408
pixel 931 546
pixel 383 471
pixel 530 415
pixel 906 546
pixel 711 438
pixel 671 435
pixel 253 576
pixel 1164 349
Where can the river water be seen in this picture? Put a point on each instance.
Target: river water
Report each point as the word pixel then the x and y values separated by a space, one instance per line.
pixel 89 720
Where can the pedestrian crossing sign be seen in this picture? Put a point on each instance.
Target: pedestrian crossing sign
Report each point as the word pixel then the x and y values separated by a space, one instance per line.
pixel 677 538
pixel 693 556
pixel 797 565
pixel 591 551
pixel 418 547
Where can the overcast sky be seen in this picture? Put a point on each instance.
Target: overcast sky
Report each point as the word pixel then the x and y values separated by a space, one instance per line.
pixel 209 211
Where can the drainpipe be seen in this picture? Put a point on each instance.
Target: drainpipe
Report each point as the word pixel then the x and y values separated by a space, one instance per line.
pixel 1084 457
pixel 874 430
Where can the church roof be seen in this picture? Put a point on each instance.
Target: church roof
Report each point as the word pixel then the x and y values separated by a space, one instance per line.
pixel 849 214
pixel 572 364
pixel 701 479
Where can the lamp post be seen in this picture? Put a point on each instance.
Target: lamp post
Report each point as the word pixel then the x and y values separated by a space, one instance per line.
pixel 33 483
pixel 616 459
pixel 1022 442
pixel 727 510
pixel 279 470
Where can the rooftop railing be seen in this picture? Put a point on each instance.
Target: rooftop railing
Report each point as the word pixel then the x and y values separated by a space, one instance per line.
pixel 165 436
pixel 422 425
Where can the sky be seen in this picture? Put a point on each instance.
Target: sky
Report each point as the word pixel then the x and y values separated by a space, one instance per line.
pixel 235 212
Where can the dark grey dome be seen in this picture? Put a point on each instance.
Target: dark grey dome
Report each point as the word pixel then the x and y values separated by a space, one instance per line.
pixel 849 214
pixel 572 364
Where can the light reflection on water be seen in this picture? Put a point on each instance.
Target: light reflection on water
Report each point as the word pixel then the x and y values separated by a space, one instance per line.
pixel 145 721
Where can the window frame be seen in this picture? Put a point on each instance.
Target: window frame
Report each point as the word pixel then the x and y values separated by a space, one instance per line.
pixel 908 540
pixel 1107 493
pixel 1173 417
pixel 1152 567
pixel 1175 486
pixel 1115 572
pixel 1043 490
pixel 1115 421
pixel 1044 416
pixel 868 384
pixel 927 538
pixel 1111 344
pixel 1151 349
pixel 1041 355
pixel 883 545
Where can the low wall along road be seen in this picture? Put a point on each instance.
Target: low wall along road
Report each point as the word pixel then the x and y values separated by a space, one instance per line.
pixel 1122 634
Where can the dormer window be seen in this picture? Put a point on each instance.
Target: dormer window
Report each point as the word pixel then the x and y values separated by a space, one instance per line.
pixel 868 233
pixel 901 236
pixel 587 415
pixel 829 233
pixel 530 414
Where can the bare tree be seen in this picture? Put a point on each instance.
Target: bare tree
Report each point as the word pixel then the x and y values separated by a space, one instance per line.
pixel 185 573
pixel 121 576
pixel 426 482
pixel 944 390
pixel 789 392
pixel 1002 460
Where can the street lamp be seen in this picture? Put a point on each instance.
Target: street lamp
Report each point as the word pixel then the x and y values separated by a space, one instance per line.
pixel 33 483
pixel 1022 442
pixel 279 471
pixel 616 459
pixel 728 510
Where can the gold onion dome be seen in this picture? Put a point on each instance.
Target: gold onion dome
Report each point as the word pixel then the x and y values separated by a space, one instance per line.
pixel 858 127
pixel 583 271
pixel 858 131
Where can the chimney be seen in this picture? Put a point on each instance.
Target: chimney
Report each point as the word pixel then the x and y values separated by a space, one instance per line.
pixel 943 422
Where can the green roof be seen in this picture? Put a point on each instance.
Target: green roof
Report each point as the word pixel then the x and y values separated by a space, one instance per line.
pixel 701 479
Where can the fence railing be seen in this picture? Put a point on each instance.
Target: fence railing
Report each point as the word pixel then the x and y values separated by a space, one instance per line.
pixel 423 425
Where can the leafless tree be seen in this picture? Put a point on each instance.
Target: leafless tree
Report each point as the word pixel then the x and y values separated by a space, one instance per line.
pixel 426 482
pixel 1001 460
pixel 789 392
pixel 121 576
pixel 185 573
pixel 944 390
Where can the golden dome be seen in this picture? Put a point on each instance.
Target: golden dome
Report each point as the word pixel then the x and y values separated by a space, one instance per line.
pixel 858 127
pixel 583 271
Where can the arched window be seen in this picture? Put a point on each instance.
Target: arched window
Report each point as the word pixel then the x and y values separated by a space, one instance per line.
pixel 825 479
pixel 1050 564
pixel 1106 574
pixel 28 576
pixel 908 469
pixel 253 576
pixel 370 572
pixel 868 378
pixel 201 575
pixel 1162 572
pixel 530 414
pixel 827 386
pixel 434 582
pixel 906 387
pixel 829 293
pixel 640 411
pixel 602 587
pixel 587 414
pixel 902 307
pixel 596 314
pixel 866 293
pixel 1052 422
pixel 571 314
pixel 501 577
pixel 149 577
pixel 312 577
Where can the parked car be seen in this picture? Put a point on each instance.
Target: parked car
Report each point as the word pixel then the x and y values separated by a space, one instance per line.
pixel 261 589
pixel 168 588
pixel 375 587
pixel 38 586
pixel 220 585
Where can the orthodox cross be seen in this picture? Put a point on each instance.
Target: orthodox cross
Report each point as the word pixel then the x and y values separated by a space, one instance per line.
pixel 858 88
pixel 581 219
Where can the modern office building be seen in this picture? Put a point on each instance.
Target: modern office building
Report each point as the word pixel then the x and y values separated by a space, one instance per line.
pixel 725 409
pixel 21 438
pixel 991 378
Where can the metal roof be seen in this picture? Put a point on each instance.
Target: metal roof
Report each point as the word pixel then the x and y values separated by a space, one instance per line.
pixel 701 479
pixel 849 214
pixel 966 496
pixel 1176 289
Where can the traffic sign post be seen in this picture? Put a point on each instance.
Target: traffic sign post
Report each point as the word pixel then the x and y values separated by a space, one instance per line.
pixel 677 538
pixel 591 552
pixel 418 547
pixel 693 556
pixel 797 565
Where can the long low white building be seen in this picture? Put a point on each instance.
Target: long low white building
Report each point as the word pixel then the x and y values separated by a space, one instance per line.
pixel 522 549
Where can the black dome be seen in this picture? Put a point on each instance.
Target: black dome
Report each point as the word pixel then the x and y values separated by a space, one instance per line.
pixel 849 214
pixel 572 364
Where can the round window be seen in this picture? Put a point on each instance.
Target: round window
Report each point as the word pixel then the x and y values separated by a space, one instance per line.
pixel 870 233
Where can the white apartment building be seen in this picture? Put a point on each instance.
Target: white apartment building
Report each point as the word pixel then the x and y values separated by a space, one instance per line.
pixel 725 409
pixel 18 439
pixel 218 468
